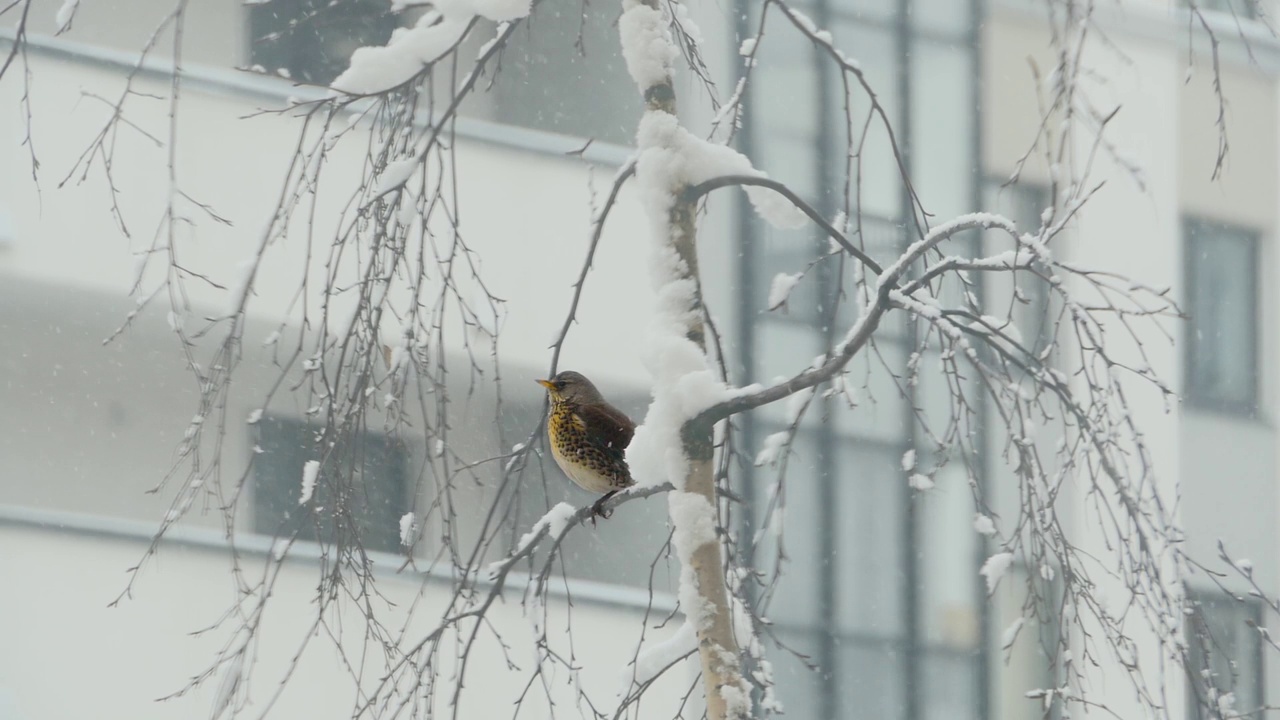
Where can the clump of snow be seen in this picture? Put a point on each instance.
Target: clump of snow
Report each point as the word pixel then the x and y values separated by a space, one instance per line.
pixel 407 527
pixel 994 568
pixel 555 521
pixel 908 460
pixel 748 46
pixel 920 482
pixel 1245 566
pixel 66 13
pixel 254 416
pixel 310 472
pixel 395 175
pixel 781 287
pixel 694 523
pixel 1010 634
pixel 984 525
pixel 646 45
pixel 655 658
pixel 770 448
pixel 410 50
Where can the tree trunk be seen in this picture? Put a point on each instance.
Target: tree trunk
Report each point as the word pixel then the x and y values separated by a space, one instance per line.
pixel 726 693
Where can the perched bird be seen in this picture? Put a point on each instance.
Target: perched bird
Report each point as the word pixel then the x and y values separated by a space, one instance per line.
pixel 589 437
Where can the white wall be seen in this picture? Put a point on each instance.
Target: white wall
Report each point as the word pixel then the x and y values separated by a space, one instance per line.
pixel 68 655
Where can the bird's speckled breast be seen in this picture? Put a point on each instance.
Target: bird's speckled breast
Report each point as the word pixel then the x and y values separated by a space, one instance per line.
pixel 588 467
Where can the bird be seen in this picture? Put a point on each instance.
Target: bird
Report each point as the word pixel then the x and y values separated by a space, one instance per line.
pixel 588 437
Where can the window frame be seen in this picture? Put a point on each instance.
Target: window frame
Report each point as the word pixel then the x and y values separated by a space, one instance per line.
pixel 1194 229
pixel 1252 610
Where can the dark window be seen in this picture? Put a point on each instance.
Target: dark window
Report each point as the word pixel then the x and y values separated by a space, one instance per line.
pixel 370 506
pixel 563 72
pixel 312 40
pixel 1224 655
pixel 1241 8
pixel 1221 269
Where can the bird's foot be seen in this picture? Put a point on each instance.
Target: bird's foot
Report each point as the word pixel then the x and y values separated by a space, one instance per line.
pixel 598 510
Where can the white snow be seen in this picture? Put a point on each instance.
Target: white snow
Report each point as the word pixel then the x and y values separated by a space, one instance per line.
pixel 378 69
pixel 1010 633
pixel 920 482
pixel 66 13
pixel 994 568
pixel 254 416
pixel 781 287
pixel 909 460
pixel 694 523
pixel 646 45
pixel 395 175
pixel 407 527
pixel 1245 565
pixel 655 658
pixel 748 46
pixel 770 448
pixel 310 472
pixel 555 521
pixel 984 525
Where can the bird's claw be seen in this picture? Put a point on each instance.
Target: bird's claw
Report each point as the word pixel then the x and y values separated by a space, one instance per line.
pixel 598 510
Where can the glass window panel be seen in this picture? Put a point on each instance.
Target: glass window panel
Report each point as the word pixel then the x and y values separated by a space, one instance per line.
pixel 1224 644
pixel 1025 665
pixel 1026 294
pixel 942 151
pixel 869 562
pixel 876 51
pixel 948 562
pixel 548 82
pixel 1241 8
pixel 798 687
pixel 1221 276
pixel 950 685
pixel 934 390
pixel 804 302
pixel 871 680
pixel 881 411
pixel 313 39
pixel 870 11
pixel 784 84
pixel 790 159
pixel 795 601
pixel 375 499
pixel 945 17
pixel 783 348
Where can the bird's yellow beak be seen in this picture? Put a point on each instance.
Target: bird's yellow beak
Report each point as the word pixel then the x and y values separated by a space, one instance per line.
pixel 546 384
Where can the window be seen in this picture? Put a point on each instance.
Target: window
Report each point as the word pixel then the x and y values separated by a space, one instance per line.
pixel 1221 266
pixel 379 497
pixel 311 41
pixel 1240 8
pixel 562 73
pixel 1224 655
pixel 589 93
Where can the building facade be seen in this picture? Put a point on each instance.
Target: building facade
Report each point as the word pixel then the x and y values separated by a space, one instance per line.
pixel 882 590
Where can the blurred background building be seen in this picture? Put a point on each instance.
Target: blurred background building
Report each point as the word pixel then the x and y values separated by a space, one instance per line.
pixel 883 592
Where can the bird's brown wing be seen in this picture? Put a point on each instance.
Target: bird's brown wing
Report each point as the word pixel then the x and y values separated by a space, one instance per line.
pixel 607 427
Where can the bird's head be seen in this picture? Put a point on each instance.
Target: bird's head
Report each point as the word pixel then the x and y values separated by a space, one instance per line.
pixel 571 387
